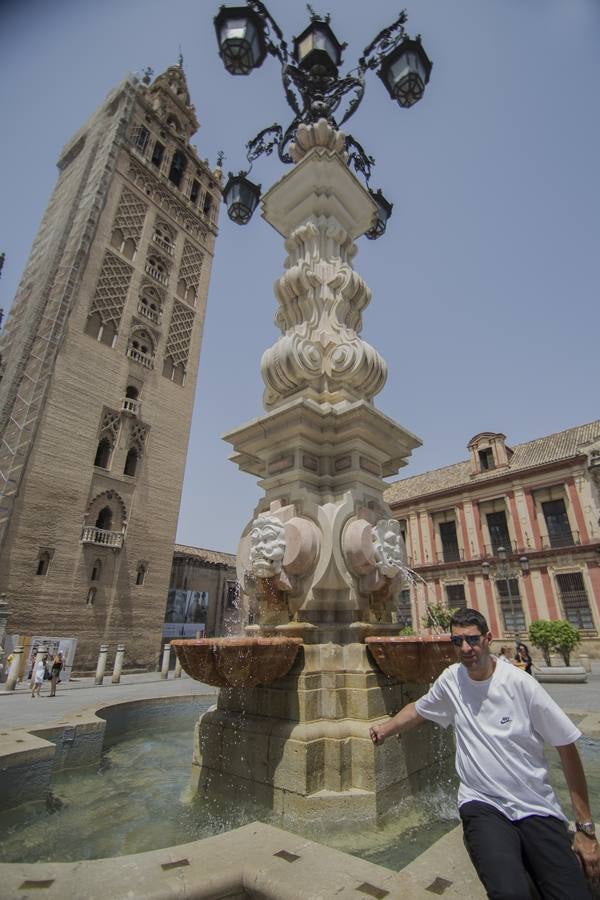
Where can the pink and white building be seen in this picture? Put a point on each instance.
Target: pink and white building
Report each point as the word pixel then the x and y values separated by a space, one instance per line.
pixel 511 531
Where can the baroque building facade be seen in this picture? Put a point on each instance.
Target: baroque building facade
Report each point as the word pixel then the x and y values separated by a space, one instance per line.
pixel 100 355
pixel 513 532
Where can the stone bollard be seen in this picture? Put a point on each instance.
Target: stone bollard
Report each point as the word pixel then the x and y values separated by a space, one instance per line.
pixel 101 664
pixel 166 659
pixel 13 672
pixel 177 668
pixel 118 666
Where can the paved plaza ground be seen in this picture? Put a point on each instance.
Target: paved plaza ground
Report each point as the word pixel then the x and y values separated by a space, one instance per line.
pixel 19 710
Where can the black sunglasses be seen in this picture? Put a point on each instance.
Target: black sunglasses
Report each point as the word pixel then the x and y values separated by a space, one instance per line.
pixel 471 639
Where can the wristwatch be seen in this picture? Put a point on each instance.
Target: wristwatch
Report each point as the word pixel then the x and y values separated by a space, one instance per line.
pixel 587 828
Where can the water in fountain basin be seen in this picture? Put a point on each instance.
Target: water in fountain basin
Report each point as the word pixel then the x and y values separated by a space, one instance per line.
pixel 139 800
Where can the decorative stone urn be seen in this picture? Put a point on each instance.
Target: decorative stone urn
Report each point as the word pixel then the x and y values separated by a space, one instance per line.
pixel 321 557
pixel 237 662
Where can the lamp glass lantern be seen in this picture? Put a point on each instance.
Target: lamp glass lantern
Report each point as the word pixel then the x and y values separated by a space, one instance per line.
pixel 317 50
pixel 241 37
pixel 405 71
pixel 241 197
pixel 384 211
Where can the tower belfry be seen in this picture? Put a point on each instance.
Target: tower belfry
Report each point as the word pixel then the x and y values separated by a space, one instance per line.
pixel 99 358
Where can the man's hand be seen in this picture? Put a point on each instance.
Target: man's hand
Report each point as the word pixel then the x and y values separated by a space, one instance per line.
pixel 588 851
pixel 377 734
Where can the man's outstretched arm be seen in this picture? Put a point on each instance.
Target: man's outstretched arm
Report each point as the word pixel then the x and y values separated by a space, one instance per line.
pixel 586 848
pixel 407 718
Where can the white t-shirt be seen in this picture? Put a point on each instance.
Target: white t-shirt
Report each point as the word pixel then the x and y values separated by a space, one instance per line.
pixel 500 726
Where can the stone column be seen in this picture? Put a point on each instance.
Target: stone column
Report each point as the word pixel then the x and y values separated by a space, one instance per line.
pixel 177 668
pixel 118 666
pixel 166 659
pixel 101 664
pixel 13 672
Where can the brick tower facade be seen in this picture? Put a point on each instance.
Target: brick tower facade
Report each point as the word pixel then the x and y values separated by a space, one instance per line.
pixel 99 363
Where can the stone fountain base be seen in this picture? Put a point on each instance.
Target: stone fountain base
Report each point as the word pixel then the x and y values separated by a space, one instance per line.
pixel 300 745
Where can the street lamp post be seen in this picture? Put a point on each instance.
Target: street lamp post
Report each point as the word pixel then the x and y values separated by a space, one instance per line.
pixel 504 570
pixel 314 88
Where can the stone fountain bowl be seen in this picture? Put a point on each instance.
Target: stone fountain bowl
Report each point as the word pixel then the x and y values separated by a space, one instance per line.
pixel 412 658
pixel 237 662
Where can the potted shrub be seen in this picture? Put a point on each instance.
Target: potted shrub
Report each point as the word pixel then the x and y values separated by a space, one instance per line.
pixel 438 618
pixel 557 635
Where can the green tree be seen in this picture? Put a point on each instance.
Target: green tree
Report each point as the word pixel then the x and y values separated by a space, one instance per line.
pixel 541 635
pixel 566 638
pixel 407 631
pixel 438 617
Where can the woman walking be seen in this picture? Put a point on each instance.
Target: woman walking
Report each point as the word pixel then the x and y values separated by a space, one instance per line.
pixel 37 677
pixel 57 664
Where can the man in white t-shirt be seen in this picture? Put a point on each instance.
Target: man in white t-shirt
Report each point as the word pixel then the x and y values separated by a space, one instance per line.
pixel 512 821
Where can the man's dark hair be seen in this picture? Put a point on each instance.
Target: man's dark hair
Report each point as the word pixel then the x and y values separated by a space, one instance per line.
pixel 465 616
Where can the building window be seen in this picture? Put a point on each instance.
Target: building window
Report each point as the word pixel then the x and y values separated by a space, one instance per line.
pixel 455 596
pixel 486 459
pixel 91 596
pixel 498 529
pixel 557 523
pixel 131 462
pixel 164 237
pixel 195 191
pixel 574 600
pixel 177 168
pixel 207 206
pixel 450 550
pixel 232 594
pixel 104 520
pixel 140 138
pixel 140 576
pixel 103 452
pixel 510 604
pixel 404 610
pixel 132 392
pixel 96 570
pixel 141 348
pixel 43 562
pixel 157 154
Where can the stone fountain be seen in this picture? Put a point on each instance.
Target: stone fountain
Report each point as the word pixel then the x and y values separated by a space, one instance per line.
pixel 322 560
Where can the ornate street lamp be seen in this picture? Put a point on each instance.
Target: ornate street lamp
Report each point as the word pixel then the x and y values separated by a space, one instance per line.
pixel 313 87
pixel 405 72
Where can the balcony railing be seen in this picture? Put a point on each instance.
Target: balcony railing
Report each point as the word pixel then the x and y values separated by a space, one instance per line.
pixel 93 535
pixel 132 407
pixel 164 245
pixel 149 313
pixel 157 274
pixel 562 539
pixel 140 357
pixel 449 553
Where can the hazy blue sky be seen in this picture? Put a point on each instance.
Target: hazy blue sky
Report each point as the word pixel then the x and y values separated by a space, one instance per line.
pixel 485 287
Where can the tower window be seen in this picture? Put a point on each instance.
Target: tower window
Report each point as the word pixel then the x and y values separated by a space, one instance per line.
pixel 157 154
pixel 195 191
pixel 132 393
pixel 486 459
pixel 91 596
pixel 141 573
pixel 103 453
pixel 43 563
pixel 177 168
pixel 131 462
pixel 104 520
pixel 96 570
pixel 141 138
pixel 207 205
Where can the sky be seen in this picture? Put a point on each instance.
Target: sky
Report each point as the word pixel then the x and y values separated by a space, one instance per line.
pixel 485 285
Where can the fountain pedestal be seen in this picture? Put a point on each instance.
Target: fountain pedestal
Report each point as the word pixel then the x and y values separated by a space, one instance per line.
pixel 321 558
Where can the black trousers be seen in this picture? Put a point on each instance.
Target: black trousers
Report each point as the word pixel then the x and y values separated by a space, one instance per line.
pixel 503 852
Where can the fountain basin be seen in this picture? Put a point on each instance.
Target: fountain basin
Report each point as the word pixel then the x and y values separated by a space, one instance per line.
pixel 237 662
pixel 412 658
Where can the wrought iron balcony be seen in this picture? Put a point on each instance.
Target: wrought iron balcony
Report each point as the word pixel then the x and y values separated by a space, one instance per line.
pixel 449 553
pixel 132 407
pixel 140 357
pixel 93 535
pixel 564 538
